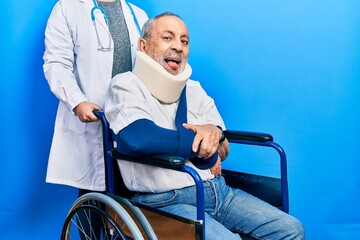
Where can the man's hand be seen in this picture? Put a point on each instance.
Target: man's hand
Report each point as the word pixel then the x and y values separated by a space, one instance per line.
pixel 84 111
pixel 216 169
pixel 223 149
pixel 207 137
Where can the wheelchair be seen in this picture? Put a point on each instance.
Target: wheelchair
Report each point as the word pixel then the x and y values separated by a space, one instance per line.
pixel 112 215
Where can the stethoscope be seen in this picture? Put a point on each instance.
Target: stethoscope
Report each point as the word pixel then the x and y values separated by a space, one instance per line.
pixel 106 18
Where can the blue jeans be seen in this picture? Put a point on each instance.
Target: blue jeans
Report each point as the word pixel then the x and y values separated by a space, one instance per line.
pixel 228 211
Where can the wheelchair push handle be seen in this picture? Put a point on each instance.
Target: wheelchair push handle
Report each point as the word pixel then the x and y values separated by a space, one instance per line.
pixel 99 113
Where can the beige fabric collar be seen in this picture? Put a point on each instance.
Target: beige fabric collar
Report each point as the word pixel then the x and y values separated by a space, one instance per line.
pixel 162 85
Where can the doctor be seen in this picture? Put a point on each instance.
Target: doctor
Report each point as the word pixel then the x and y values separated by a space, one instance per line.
pixel 87 42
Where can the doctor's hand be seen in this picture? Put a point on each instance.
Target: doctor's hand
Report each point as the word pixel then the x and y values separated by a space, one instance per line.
pixel 84 111
pixel 206 140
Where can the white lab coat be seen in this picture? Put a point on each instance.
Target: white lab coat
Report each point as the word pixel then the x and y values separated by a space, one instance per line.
pixel 77 71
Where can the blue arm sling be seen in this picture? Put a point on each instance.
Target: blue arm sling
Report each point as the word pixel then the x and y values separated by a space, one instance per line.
pixel 144 137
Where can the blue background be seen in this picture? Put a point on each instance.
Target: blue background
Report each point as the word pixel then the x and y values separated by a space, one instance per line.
pixel 289 68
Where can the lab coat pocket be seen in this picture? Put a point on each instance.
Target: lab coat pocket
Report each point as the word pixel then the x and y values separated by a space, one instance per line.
pixel 69 122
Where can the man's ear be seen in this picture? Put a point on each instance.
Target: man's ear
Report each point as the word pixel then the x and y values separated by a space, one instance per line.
pixel 143 45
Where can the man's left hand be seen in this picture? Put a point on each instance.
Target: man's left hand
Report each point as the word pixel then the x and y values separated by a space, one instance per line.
pixel 206 140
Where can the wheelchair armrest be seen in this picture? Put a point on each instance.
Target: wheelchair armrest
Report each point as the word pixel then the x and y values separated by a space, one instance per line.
pixel 163 161
pixel 266 140
pixel 247 136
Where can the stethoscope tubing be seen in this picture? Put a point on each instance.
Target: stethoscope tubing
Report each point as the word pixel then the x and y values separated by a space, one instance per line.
pixel 96 6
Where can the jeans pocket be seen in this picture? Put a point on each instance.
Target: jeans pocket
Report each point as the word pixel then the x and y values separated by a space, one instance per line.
pixel 157 200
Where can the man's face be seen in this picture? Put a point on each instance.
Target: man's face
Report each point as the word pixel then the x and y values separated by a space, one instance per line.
pixel 169 44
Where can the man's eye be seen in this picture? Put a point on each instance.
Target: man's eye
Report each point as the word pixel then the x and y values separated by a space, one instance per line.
pixel 166 38
pixel 185 42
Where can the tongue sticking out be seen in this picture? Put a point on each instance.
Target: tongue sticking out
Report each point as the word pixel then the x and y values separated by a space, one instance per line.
pixel 173 65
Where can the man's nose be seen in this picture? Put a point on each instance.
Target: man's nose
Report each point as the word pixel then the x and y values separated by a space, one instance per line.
pixel 177 46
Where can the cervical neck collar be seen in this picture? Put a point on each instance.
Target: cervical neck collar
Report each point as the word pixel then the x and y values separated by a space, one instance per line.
pixel 162 85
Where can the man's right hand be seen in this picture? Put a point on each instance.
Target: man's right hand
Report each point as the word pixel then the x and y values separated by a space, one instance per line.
pixel 216 169
pixel 84 111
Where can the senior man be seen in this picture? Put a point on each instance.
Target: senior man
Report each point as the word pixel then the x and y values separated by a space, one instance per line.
pixel 157 109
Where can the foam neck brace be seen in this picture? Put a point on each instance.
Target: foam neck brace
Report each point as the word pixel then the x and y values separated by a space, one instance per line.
pixel 162 85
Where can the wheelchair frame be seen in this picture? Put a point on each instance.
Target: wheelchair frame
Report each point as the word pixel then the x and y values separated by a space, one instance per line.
pixel 129 212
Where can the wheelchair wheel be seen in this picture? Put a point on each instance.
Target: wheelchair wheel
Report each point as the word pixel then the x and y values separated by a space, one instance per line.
pixel 98 216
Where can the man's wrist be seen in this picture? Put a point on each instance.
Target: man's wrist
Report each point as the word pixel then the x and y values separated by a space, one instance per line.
pixel 222 134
